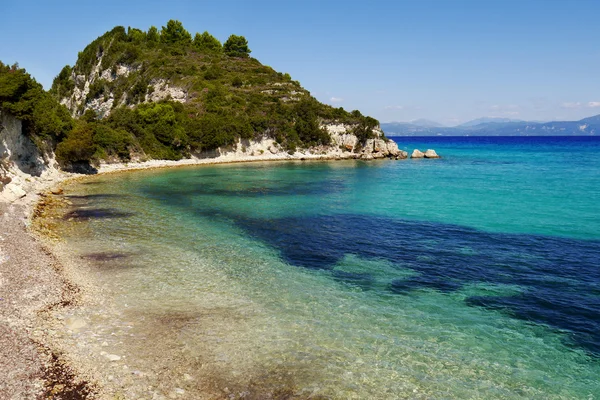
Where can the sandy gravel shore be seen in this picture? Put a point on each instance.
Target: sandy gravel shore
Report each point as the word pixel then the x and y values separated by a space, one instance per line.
pixel 33 283
pixel 30 285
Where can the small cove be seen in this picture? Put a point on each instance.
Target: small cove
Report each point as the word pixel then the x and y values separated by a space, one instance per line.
pixel 342 279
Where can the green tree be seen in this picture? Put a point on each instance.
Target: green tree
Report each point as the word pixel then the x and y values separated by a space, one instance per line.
pixel 136 35
pixel 236 46
pixel 22 96
pixel 78 146
pixel 153 36
pixel 175 33
pixel 207 42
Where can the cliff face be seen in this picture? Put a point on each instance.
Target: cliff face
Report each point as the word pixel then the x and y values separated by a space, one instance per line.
pixel 21 163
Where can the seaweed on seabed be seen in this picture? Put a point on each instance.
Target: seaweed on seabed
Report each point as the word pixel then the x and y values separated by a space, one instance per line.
pixel 61 383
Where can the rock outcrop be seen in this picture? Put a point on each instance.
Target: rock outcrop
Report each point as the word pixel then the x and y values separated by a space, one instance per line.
pixel 343 141
pixel 22 166
pixel 431 154
pixel 417 154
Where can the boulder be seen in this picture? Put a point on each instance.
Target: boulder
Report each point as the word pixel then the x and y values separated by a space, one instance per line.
pixel 12 192
pixel 392 148
pixel 431 154
pixel 417 154
pixel 402 155
pixel 273 149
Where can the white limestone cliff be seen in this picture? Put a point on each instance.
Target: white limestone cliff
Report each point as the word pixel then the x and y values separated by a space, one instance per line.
pixel 22 167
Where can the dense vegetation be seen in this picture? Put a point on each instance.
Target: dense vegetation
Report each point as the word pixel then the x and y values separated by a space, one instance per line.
pixel 44 120
pixel 228 95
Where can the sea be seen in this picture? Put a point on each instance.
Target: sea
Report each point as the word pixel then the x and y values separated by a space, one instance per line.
pixel 473 276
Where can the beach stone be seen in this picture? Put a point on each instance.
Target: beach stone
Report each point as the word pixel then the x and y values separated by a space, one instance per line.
pixel 273 150
pixel 431 154
pixel 417 154
pixel 13 192
pixel 57 191
pixel 112 357
pixel 75 323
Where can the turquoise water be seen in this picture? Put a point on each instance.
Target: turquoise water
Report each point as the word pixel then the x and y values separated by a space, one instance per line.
pixel 473 276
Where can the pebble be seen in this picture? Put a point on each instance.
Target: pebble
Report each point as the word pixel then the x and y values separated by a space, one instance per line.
pixel 112 357
pixel 75 323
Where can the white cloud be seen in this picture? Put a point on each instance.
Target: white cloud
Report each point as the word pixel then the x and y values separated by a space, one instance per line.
pixel 394 107
pixel 336 99
pixel 504 114
pixel 572 104
pixel 578 104
pixel 497 107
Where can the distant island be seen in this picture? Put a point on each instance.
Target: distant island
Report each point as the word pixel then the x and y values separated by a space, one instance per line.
pixel 496 127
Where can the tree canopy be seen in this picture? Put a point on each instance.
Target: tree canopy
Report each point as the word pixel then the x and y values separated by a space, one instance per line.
pixel 43 118
pixel 175 33
pixel 207 42
pixel 236 46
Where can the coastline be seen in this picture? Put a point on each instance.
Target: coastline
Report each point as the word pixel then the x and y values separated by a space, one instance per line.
pixel 39 276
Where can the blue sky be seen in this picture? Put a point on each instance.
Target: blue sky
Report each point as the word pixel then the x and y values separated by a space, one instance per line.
pixel 449 61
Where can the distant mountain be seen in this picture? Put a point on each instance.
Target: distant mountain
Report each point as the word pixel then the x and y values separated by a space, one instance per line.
pixel 406 128
pixel 500 127
pixel 487 120
pixel 426 123
pixel 591 120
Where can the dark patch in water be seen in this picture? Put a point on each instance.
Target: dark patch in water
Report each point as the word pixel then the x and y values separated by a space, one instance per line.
pixel 271 188
pixel 97 213
pixel 560 277
pixel 96 196
pixel 105 256
pixel 402 286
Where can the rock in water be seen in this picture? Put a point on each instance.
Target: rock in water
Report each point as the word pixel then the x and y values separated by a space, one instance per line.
pixel 402 155
pixel 431 154
pixel 417 154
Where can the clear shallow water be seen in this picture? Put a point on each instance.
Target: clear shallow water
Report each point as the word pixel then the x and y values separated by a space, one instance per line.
pixel 473 276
